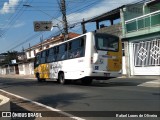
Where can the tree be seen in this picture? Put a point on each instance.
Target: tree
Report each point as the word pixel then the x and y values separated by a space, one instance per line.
pixel 13 55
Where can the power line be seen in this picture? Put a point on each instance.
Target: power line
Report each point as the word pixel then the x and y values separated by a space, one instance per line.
pixel 27 40
pixel 12 21
pixel 76 24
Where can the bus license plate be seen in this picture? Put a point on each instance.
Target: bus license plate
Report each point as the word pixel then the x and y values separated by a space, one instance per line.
pixel 107 74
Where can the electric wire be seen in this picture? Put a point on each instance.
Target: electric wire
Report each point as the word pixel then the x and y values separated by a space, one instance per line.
pixel 71 25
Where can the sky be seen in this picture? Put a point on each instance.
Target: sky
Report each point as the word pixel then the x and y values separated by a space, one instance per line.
pixel 16 19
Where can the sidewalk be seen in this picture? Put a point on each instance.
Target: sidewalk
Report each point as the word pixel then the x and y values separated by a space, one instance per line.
pixel 18 76
pixel 154 83
pixel 21 107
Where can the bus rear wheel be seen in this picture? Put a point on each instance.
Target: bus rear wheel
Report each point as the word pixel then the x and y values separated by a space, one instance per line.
pixel 61 78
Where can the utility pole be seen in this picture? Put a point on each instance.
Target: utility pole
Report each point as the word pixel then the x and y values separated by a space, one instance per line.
pixel 63 10
pixel 83 27
pixel 41 41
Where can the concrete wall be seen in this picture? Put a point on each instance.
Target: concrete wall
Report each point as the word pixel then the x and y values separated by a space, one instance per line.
pixel 113 29
pixel 26 68
pixel 21 69
pixel 2 70
pixel 7 70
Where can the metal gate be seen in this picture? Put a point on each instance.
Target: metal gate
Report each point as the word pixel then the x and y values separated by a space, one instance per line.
pixel 147 53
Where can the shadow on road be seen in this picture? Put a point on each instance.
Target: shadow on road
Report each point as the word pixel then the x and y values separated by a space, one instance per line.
pixel 7 83
pixel 115 82
pixel 61 100
pixel 157 94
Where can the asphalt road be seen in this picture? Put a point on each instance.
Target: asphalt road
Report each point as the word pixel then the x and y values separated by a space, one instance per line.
pixel 120 94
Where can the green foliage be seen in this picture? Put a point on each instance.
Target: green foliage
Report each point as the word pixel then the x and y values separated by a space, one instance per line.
pixel 13 55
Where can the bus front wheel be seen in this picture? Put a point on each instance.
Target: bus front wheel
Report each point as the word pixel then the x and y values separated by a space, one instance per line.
pixel 38 78
pixel 61 78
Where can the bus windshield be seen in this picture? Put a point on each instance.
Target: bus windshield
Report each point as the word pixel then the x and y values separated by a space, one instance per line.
pixel 106 42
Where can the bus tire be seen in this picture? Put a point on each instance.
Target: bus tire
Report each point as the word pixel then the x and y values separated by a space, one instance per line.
pixel 86 81
pixel 38 78
pixel 61 78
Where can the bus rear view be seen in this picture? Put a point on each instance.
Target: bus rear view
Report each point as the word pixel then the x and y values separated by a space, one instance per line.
pixel 106 57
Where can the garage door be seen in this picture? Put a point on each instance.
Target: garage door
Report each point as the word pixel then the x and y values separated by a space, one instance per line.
pixel 146 58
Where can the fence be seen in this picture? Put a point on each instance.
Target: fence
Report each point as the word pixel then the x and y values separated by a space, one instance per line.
pixel 147 53
pixel 143 22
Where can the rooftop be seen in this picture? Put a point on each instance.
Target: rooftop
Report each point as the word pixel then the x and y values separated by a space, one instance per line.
pixel 55 39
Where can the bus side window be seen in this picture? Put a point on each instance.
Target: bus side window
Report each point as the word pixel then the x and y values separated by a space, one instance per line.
pixel 76 48
pixel 62 54
pixel 82 46
pixel 82 42
pixel 37 60
pixel 49 54
pixel 57 49
pixel 70 52
pixel 54 54
pixel 43 57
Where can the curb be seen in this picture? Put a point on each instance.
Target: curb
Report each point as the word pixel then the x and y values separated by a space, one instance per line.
pixel 154 83
pixel 36 107
pixel 18 76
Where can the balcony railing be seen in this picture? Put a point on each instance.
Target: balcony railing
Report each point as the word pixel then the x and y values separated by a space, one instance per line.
pixel 143 22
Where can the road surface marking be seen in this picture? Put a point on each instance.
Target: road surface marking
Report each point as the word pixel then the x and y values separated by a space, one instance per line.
pixel 45 106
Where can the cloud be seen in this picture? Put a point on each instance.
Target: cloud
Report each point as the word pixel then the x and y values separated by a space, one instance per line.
pixel 9 7
pixel 102 7
pixel 96 10
pixel 18 24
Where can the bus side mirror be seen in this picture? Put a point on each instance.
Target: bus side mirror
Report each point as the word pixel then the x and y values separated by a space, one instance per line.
pixel 95 57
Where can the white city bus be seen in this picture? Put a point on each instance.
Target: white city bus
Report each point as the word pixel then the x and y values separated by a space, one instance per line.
pixel 86 57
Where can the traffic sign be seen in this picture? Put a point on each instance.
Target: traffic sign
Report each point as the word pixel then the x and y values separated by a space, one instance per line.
pixel 42 26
